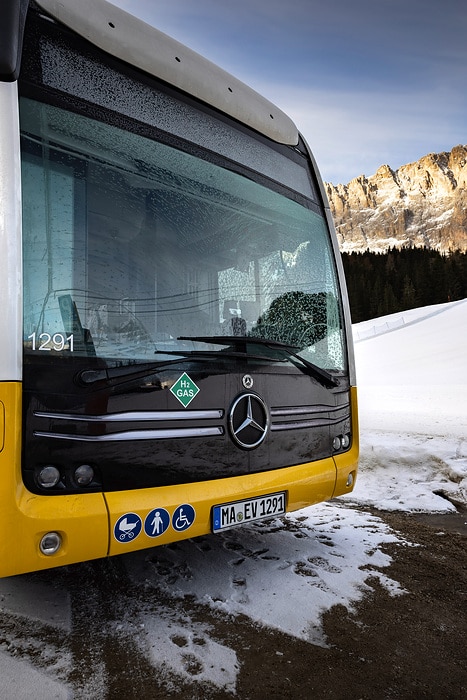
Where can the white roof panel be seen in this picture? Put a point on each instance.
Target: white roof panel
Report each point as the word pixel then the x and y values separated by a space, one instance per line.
pixel 126 37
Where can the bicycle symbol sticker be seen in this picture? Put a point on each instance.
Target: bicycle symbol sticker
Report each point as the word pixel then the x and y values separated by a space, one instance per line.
pixel 127 527
pixel 183 517
pixel 156 522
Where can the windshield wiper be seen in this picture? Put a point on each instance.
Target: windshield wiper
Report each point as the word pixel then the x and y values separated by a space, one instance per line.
pixel 141 369
pixel 237 340
pixel 136 370
pixel 290 352
pixel 133 370
pixel 223 354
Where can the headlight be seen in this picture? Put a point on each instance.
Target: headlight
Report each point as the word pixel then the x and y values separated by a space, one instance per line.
pixel 84 475
pixel 48 477
pixel 341 442
pixel 336 443
pixel 345 441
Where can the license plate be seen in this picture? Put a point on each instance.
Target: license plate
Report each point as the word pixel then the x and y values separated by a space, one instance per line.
pixel 229 515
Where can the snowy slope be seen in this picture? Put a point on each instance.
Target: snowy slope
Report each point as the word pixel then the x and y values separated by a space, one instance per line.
pixel 411 373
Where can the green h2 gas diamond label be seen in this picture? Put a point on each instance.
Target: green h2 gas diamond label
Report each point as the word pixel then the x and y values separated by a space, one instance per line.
pixel 184 389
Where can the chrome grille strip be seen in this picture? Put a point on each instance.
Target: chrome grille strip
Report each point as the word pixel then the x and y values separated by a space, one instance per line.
pixel 135 416
pixel 303 410
pixel 312 423
pixel 136 434
pixel 301 417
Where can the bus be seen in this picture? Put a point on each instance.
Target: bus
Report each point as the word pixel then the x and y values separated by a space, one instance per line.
pixel 176 354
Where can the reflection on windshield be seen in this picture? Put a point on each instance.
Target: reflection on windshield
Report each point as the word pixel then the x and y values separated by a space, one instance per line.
pixel 145 244
pixel 296 318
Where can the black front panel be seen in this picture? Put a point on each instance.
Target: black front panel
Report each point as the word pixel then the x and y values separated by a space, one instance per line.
pixel 136 433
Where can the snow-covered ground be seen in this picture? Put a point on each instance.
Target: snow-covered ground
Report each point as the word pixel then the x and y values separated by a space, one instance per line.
pixel 412 378
pixel 285 574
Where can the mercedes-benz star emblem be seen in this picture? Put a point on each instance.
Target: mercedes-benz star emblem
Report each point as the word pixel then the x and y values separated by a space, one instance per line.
pixel 247 381
pixel 248 420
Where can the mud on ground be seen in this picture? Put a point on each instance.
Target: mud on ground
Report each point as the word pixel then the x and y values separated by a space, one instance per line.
pixel 408 646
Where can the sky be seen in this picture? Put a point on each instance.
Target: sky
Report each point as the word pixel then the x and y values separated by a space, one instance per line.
pixel 282 574
pixel 368 82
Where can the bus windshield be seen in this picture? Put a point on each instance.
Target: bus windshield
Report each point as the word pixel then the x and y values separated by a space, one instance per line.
pixel 134 248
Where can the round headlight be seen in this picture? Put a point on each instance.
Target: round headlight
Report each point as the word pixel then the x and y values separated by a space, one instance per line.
pixel 345 441
pixel 48 476
pixel 50 543
pixel 84 475
pixel 336 443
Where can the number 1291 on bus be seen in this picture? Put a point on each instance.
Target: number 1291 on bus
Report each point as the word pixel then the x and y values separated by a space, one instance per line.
pixel 47 342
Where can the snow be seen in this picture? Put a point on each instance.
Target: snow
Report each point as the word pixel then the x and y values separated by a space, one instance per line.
pixel 286 573
pixel 22 682
pixel 413 409
pixel 281 574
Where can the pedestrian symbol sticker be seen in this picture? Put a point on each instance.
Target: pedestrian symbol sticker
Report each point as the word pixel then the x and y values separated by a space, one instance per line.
pixel 183 517
pixel 184 389
pixel 127 527
pixel 156 522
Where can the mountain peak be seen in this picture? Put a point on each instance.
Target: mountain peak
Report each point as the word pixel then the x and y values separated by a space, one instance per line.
pixel 420 204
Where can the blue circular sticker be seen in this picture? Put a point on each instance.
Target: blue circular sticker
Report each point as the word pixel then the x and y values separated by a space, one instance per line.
pixel 127 527
pixel 156 522
pixel 183 517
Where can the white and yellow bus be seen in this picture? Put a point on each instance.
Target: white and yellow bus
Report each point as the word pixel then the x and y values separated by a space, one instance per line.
pixel 175 345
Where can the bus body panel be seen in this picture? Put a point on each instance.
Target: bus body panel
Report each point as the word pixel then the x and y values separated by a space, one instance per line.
pixel 10 236
pixel 81 521
pixel 303 484
pixel 87 523
pixel 347 462
pixel 129 38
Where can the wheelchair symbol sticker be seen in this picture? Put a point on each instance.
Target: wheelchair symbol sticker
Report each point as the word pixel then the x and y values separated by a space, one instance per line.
pixel 183 517
pixel 156 522
pixel 127 527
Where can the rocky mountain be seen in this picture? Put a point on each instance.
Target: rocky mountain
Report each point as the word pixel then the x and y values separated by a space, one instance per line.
pixel 420 204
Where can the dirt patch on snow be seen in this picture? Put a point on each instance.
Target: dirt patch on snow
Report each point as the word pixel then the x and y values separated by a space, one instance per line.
pixel 406 646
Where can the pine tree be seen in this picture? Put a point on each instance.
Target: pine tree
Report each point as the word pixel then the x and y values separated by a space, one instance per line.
pixel 383 283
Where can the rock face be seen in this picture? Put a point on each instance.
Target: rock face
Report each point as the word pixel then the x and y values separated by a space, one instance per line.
pixel 420 204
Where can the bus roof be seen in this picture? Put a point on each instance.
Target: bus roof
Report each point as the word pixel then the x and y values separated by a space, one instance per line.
pixel 128 38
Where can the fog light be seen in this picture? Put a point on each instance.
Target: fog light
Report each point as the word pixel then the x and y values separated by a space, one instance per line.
pixel 50 543
pixel 345 441
pixel 349 481
pixel 48 477
pixel 84 474
pixel 336 443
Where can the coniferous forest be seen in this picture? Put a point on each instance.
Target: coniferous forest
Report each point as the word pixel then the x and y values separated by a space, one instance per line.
pixel 384 283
